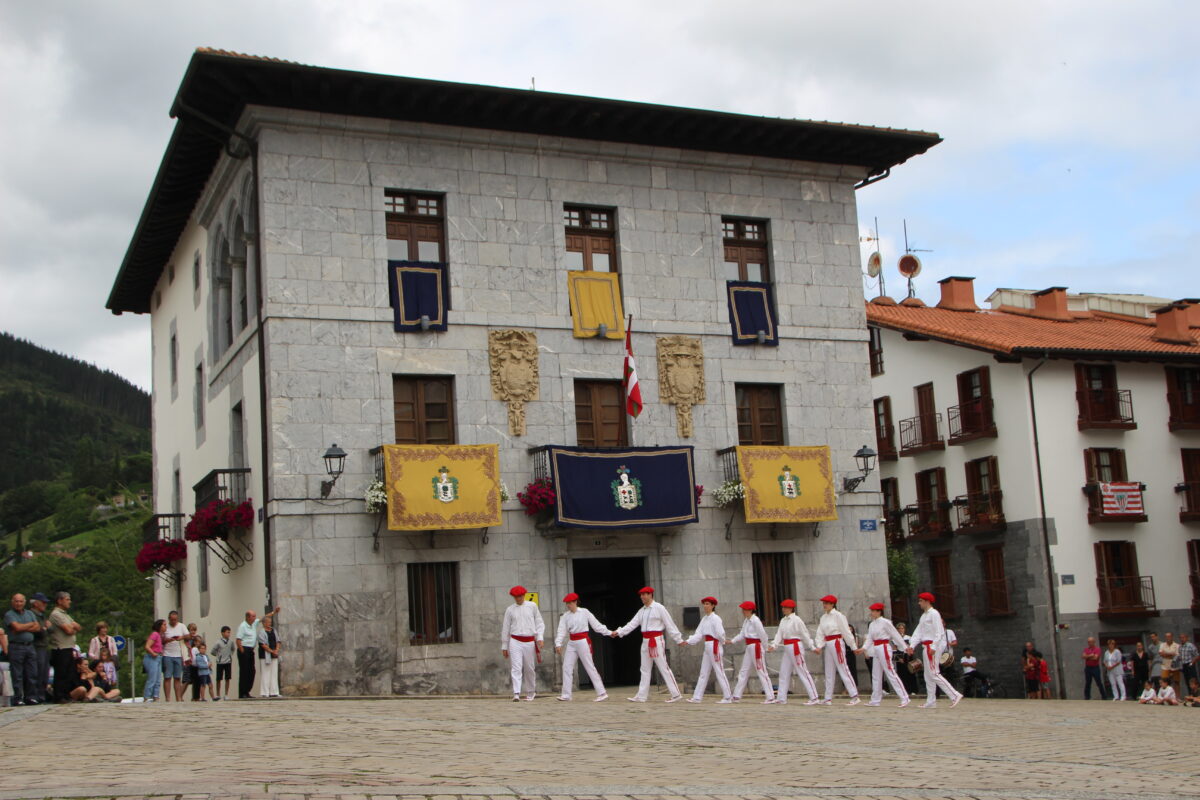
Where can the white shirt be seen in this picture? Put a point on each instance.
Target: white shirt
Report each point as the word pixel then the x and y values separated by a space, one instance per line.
pixel 522 620
pixel 1148 694
pixel 752 628
pixel 930 629
pixel 968 664
pixel 710 625
pixel 577 621
pixel 881 628
pixel 792 627
pixel 1166 693
pixel 1112 659
pixel 653 617
pixel 832 625
pixel 174 649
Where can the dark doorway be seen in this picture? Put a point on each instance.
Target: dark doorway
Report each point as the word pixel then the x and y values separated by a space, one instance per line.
pixel 608 588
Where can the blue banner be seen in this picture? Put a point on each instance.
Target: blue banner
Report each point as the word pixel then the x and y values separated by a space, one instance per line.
pixel 629 487
pixel 417 289
pixel 751 310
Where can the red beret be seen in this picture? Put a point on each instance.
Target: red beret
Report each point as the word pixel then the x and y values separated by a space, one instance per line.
pixel 789 603
pixel 829 598
pixel 518 591
pixel 712 600
pixel 747 605
pixel 571 598
pixel 876 606
pixel 646 590
pixel 926 596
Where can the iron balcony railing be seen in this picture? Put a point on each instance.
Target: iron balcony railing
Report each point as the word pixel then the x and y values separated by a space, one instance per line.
pixel 971 420
pixel 979 512
pixel 885 442
pixel 1105 408
pixel 1194 580
pixel 1189 497
pixel 222 484
pixel 1097 512
pixel 919 434
pixel 163 527
pixel 1127 594
pixel 1184 411
pixel 928 520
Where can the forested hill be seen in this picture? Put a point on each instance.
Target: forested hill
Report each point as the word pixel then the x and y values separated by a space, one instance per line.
pixel 49 402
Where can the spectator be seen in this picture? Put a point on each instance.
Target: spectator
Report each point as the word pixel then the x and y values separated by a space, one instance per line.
pixel 1141 665
pixel 41 644
pixel 152 660
pixel 222 656
pixel 1043 675
pixel 20 624
pixel 1148 696
pixel 247 644
pixel 106 668
pixel 971 674
pixel 62 647
pixel 203 671
pixel 1166 695
pixel 1155 659
pixel 194 641
pixel 902 660
pixel 1026 651
pixel 1169 650
pixel 1114 668
pixel 86 687
pixel 1192 698
pixel 1189 660
pixel 174 641
pixel 1033 685
pixel 101 642
pixel 1091 669
pixel 268 653
pixel 100 679
pixel 6 683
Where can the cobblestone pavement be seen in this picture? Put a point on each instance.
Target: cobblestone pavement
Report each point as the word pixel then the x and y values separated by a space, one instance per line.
pixel 445 748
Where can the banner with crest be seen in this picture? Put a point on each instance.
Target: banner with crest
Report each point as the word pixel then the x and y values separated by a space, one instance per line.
pixel 628 487
pixel 442 486
pixel 787 484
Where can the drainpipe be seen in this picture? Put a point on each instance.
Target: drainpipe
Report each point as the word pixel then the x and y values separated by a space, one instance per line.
pixel 1051 596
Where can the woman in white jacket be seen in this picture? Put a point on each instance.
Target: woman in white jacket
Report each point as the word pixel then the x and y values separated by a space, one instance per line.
pixel 1114 667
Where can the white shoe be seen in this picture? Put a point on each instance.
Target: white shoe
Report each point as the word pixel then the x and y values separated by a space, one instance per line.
pixel 736 699
pixel 904 702
pixel 873 703
pixel 693 699
pixel 516 698
pixel 854 701
pixel 724 701
pixel 929 705
pixel 769 702
pixel 674 699
pixel 956 700
pixel 826 702
pixel 601 697
pixel 635 699
pixel 564 699
pixel 812 702
pixel 530 698
pixel 781 702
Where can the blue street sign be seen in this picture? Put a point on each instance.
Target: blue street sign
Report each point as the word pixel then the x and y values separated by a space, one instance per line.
pixel 868 525
pixel 120 643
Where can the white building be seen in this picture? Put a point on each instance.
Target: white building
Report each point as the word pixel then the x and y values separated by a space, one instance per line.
pixel 1079 411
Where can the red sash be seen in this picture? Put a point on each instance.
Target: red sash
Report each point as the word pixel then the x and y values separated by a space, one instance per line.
pixel 716 646
pixel 933 664
pixel 837 646
pixel 536 647
pixel 652 642
pixel 887 655
pixel 795 643
pixel 575 637
pixel 758 659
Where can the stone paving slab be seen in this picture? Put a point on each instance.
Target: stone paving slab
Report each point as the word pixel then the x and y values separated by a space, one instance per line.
pixel 454 748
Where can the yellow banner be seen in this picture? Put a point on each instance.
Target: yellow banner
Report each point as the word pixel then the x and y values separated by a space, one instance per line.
pixel 787 484
pixel 442 486
pixel 595 301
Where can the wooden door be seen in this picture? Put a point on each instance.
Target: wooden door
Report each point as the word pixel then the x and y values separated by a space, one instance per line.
pixel 974 394
pixel 1191 479
pixel 927 412
pixel 1097 384
pixel 1117 571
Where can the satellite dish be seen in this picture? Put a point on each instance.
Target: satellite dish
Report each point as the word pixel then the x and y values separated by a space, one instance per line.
pixel 909 265
pixel 874 264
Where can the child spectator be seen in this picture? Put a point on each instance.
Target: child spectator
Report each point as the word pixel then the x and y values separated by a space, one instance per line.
pixel 1043 675
pixel 222 656
pixel 203 677
pixel 189 660
pixel 106 668
pixel 1148 695
pixel 1192 698
pixel 108 688
pixel 1033 687
pixel 1166 695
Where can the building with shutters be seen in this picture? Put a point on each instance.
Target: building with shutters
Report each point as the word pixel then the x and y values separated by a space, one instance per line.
pixel 1041 457
pixel 336 257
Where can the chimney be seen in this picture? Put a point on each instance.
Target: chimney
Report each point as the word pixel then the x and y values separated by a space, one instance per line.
pixel 1171 324
pixel 1193 310
pixel 1051 304
pixel 958 294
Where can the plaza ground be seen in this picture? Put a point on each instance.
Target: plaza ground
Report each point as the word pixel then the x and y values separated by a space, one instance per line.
pixel 444 748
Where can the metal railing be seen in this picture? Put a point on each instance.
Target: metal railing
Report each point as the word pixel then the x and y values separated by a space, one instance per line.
pixel 928 520
pixel 1105 408
pixel 729 464
pixel 991 598
pixel 893 526
pixel 979 511
pixel 1189 498
pixel 918 434
pixel 163 527
pixel 1126 594
pixel 971 420
pixel 541 463
pixel 222 484
pixel 1182 414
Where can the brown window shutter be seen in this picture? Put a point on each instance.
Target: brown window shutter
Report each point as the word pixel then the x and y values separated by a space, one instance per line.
pixel 1118 466
pixel 1102 566
pixel 1089 465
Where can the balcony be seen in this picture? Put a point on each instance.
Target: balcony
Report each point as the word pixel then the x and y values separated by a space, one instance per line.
pixel 1105 409
pixel 929 520
pixel 1116 507
pixel 885 443
pixel 1194 580
pixel 893 527
pixel 980 512
pixel 163 527
pixel 947 600
pixel 1126 596
pixel 1184 411
pixel 971 420
pixel 991 598
pixel 222 484
pixel 921 434
pixel 1189 497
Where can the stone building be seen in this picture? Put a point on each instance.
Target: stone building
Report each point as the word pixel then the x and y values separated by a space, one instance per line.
pixel 1042 458
pixel 263 256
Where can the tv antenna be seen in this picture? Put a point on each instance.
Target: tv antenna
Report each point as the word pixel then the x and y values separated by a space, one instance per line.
pixel 909 265
pixel 875 260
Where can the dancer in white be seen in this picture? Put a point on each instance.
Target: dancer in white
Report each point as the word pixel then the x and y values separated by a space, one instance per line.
pixel 573 635
pixel 655 622
pixel 755 636
pixel 881 637
pixel 930 637
pixel 1114 667
pixel 710 631
pixel 521 641
pixel 834 636
pixel 793 635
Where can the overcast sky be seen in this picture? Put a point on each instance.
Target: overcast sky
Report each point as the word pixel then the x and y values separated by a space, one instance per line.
pixel 1071 128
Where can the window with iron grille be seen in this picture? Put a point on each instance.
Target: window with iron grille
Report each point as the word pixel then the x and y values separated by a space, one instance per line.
pixel 759 414
pixel 424 409
pixel 433 604
pixel 772 584
pixel 591 235
pixel 416 226
pixel 745 243
pixel 600 414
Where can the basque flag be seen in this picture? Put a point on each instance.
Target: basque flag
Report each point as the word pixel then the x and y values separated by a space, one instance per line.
pixel 633 392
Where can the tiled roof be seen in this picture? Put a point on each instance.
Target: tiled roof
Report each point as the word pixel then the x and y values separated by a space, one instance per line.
pixel 1018 332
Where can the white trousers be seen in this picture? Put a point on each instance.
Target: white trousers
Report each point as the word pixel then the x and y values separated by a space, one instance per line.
pixel 794 662
pixel 934 679
pixel 664 670
pixel 522 659
pixel 752 664
pixel 713 666
pixel 1116 681
pixel 835 663
pixel 268 682
pixel 579 650
pixel 882 666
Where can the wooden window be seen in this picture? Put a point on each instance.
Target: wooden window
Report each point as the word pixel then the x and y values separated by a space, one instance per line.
pixel 759 414
pixel 591 238
pixel 1121 588
pixel 943 584
pixel 885 432
pixel 1105 464
pixel 875 349
pixel 772 584
pixel 600 414
pixel 981 508
pixel 926 412
pixel 972 417
pixel 416 226
pixel 890 487
pixel 1189 490
pixel 1101 403
pixel 932 510
pixel 994 591
pixel 433 605
pixel 1193 551
pixel 1183 398
pixel 424 409
pixel 745 242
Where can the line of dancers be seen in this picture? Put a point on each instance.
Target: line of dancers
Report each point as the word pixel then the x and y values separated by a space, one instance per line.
pixel 522 636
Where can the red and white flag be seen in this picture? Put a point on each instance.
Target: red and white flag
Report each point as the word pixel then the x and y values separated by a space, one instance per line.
pixel 633 392
pixel 1121 497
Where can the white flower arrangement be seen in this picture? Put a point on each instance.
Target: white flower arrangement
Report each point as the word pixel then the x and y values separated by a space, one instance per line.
pixel 504 496
pixel 728 493
pixel 376 497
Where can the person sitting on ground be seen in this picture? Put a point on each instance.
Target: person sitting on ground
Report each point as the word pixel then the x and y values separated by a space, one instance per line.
pixel 972 677
pixel 109 687
pixel 1148 695
pixel 1192 698
pixel 1166 694
pixel 87 688
pixel 106 668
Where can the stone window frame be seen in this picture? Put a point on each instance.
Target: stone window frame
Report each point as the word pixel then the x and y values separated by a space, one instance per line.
pixel 746 241
pixel 421 420
pixel 416 218
pixel 595 406
pixel 590 231
pixel 749 414
pixel 774 581
pixel 434 603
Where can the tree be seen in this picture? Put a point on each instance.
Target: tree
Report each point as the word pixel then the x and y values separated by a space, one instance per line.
pixel 136 469
pixel 39 536
pixel 902 571
pixel 22 505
